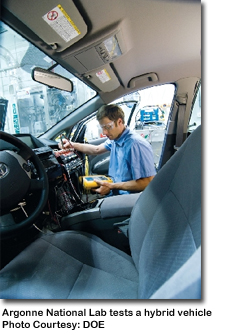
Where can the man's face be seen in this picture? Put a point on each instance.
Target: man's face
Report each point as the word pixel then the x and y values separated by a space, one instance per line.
pixel 110 129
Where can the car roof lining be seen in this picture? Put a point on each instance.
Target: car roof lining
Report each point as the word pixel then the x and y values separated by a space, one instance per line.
pixel 174 35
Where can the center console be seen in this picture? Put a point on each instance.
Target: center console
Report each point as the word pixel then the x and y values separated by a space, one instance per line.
pixel 106 212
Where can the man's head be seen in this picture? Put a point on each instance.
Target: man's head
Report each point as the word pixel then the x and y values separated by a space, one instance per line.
pixel 112 121
pixel 112 112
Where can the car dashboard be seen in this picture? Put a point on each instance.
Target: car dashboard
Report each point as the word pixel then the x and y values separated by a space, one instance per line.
pixel 70 206
pixel 63 170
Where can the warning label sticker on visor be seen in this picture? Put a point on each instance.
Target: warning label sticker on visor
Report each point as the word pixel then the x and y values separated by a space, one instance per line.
pixel 61 23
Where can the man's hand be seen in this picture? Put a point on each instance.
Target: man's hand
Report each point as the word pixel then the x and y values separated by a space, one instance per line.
pixel 65 144
pixel 105 187
pixel 131 185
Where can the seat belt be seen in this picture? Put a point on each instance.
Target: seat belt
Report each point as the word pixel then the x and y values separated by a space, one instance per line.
pixel 181 100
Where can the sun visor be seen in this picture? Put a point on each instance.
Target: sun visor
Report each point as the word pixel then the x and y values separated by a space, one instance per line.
pixel 103 78
pixel 58 23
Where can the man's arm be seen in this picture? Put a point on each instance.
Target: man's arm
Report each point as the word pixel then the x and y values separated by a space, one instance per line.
pixel 85 148
pixel 131 185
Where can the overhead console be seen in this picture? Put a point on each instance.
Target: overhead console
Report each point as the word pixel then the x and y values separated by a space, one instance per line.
pixel 93 61
pixel 100 53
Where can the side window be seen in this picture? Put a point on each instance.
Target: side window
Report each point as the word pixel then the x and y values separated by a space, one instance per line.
pixel 195 119
pixel 146 113
pixel 150 116
pixel 93 131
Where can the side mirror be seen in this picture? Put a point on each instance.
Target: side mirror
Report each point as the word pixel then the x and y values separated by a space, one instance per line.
pixel 52 79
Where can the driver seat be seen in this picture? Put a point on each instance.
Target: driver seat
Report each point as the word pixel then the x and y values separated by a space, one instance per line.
pixel 164 234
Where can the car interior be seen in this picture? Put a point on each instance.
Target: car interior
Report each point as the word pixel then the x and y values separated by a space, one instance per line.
pixel 60 62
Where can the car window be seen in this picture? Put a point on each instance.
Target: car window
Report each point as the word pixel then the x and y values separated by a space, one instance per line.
pixel 146 113
pixel 25 105
pixel 195 119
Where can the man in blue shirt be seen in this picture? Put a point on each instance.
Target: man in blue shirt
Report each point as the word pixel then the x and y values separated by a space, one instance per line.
pixel 131 157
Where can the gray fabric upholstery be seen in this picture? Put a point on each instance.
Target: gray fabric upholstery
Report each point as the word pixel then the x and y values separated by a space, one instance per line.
pixel 167 217
pixel 70 265
pixel 120 205
pixel 190 287
pixel 165 231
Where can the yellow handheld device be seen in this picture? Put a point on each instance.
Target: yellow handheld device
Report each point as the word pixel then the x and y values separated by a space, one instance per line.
pixel 89 182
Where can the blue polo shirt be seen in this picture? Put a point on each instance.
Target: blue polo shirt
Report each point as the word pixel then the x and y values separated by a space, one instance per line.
pixel 131 157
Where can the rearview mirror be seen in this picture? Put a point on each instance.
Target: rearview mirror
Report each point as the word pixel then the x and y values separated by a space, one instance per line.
pixel 52 79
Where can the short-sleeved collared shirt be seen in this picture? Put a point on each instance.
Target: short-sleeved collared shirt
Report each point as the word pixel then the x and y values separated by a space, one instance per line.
pixel 131 157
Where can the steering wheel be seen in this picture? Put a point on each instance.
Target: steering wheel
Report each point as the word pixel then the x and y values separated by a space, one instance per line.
pixel 16 183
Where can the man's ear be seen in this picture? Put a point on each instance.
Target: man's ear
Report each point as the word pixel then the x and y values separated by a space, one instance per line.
pixel 119 121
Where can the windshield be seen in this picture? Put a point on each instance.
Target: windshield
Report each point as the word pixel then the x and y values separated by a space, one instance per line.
pixel 25 105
